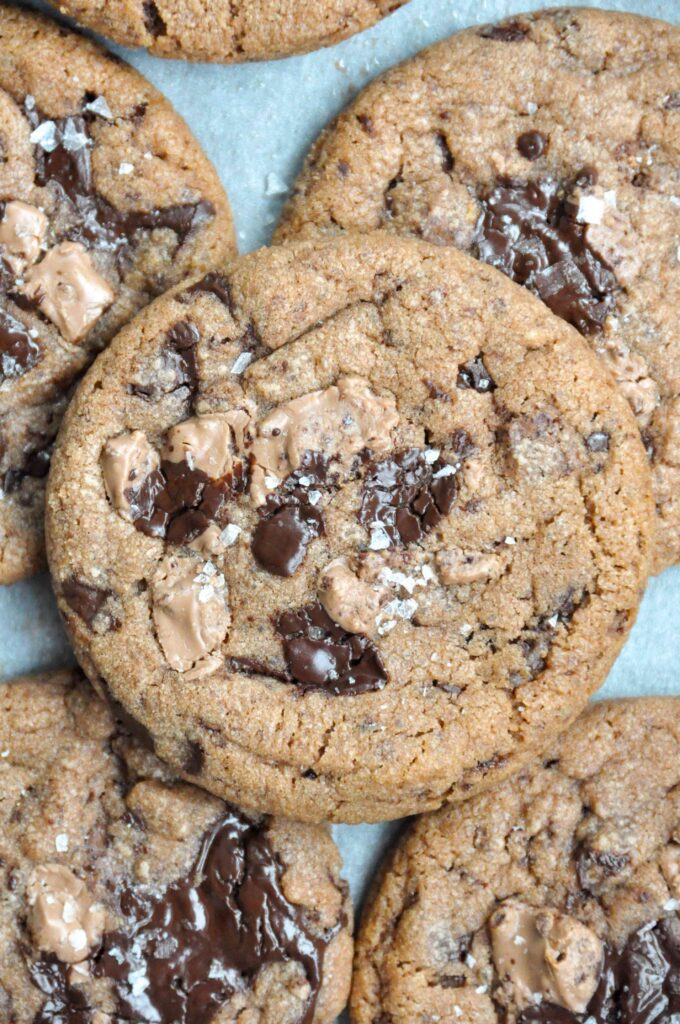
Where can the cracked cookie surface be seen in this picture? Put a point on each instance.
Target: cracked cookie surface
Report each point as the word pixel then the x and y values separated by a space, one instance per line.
pixel 106 200
pixel 553 898
pixel 359 522
pixel 130 896
pixel 228 31
pixel 549 147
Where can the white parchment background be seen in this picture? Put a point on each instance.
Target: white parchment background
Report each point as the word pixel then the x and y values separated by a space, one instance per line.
pixel 256 123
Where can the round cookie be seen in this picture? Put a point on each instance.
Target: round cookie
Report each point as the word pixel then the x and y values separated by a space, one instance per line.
pixel 105 201
pixel 359 523
pixel 130 896
pixel 548 146
pixel 553 899
pixel 228 31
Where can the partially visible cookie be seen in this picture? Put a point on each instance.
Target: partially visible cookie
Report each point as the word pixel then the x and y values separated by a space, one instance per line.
pixel 549 147
pixel 359 522
pixel 105 201
pixel 228 31
pixel 126 895
pixel 553 899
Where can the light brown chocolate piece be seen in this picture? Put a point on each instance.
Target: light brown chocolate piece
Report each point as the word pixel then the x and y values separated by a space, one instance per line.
pixel 68 289
pixel 350 601
pixel 63 916
pixel 190 611
pixel 203 442
pixel 338 422
pixel 544 955
pixel 22 233
pixel 457 567
pixel 126 462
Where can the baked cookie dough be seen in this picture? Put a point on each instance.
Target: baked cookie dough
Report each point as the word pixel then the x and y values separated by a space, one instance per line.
pixel 549 147
pixel 358 523
pixel 129 896
pixel 105 201
pixel 228 31
pixel 554 899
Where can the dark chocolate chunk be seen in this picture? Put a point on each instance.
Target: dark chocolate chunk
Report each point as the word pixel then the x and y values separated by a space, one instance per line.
pixel 531 145
pixel 153 21
pixel 212 284
pixel 475 376
pixel 85 599
pixel 408 495
pixel 195 758
pixel 672 101
pixel 35 466
pixel 508 32
pixel 68 167
pixel 127 722
pixel 180 954
pixel 530 232
pixel 289 521
pixel 19 353
pixel 448 161
pixel 594 867
pixel 322 655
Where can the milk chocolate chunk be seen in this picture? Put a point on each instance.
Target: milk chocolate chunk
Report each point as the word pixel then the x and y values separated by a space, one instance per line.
pixel 638 984
pixel 322 655
pixel 19 352
pixel 66 287
pixel 63 917
pixel 190 611
pixel 22 233
pixel 180 954
pixel 407 495
pixel 529 230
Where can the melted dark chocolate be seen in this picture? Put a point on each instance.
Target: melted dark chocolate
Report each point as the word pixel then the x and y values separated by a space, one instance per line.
pixel 19 353
pixel 101 224
pixel 640 984
pixel 289 521
pixel 181 954
pixel 322 655
pixel 528 229
pixel 407 495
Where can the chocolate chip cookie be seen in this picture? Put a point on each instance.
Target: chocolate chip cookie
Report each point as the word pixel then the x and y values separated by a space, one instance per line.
pixel 350 528
pixel 228 31
pixel 105 201
pixel 547 146
pixel 129 896
pixel 554 899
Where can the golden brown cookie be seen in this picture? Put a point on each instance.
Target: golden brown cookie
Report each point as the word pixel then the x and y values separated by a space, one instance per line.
pixel 129 896
pixel 552 899
pixel 549 147
pixel 351 527
pixel 228 31
pixel 105 201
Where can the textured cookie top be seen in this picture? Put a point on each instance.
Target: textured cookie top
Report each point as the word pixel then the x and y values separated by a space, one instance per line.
pixel 549 147
pixel 228 31
pixel 359 520
pixel 129 896
pixel 554 899
pixel 105 201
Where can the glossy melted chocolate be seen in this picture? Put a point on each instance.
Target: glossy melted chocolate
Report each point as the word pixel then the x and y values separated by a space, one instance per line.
pixel 528 229
pixel 640 984
pixel 179 955
pixel 408 495
pixel 322 655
